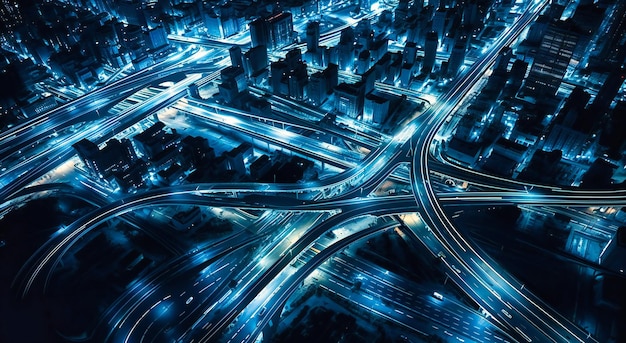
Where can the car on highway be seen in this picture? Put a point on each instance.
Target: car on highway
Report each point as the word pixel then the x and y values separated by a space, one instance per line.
pixel 437 296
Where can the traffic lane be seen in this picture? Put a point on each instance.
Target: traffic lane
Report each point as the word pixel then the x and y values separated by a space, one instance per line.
pixel 391 288
pixel 432 318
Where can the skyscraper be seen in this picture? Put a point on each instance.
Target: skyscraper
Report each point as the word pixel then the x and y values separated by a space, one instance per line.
pixel 409 53
pixel 551 61
pixel 312 36
pixel 457 58
pixel 236 57
pixel 258 32
pixel 439 23
pixel 280 29
pixel 608 91
pixel 255 60
pixel 430 51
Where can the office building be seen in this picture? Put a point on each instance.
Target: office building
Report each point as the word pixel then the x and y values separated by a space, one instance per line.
pixel 280 30
pixel 439 23
pixel 349 98
pixel 457 58
pixel 236 75
pixel 115 156
pixel 236 57
pixel 551 61
pixel 430 51
pixel 321 84
pixel 375 109
pixel 156 38
pixel 255 60
pixel 317 88
pixel 363 62
pixel 409 53
pixel 608 91
pixel 345 49
pixel 259 32
pixel 289 76
pixel 274 32
pixel 503 60
pixel 406 74
pixel 312 36
pixel 571 129
pixel 537 30
pixel 378 48
pixel 471 18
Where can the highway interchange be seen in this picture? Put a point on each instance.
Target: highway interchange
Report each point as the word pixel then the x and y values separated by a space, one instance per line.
pixel 192 290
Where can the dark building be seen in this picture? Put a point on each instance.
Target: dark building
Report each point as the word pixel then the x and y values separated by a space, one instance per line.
pixel 471 17
pixel 132 11
pixel 613 255
pixel 260 107
pixel 237 158
pixel 277 71
pixel 571 129
pixel 115 156
pixel 608 91
pixel 133 177
pixel 537 30
pixel 312 36
pixel 409 53
pixel 289 76
pixel 516 76
pixel 317 92
pixel 457 58
pixel 155 139
pixel 375 109
pixel 378 49
pixel 236 57
pixel 439 23
pixel 363 62
pixel 260 167
pixel 255 60
pixel 551 62
pixel 259 33
pixel 463 151
pixel 502 61
pixel 296 169
pixel 156 38
pixel 349 98
pixel 171 176
pixel 235 75
pixel 196 150
pixel 280 30
pixel 165 158
pixel 345 49
pixel 233 83
pixel 599 175
pixel 321 84
pixel 543 167
pixel 430 51
pixel 222 21
pixel 613 134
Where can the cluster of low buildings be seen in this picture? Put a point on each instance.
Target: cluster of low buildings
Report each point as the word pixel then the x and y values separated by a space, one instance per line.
pixel 160 156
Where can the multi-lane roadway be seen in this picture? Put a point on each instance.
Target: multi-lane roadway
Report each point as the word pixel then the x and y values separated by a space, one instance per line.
pixel 206 315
